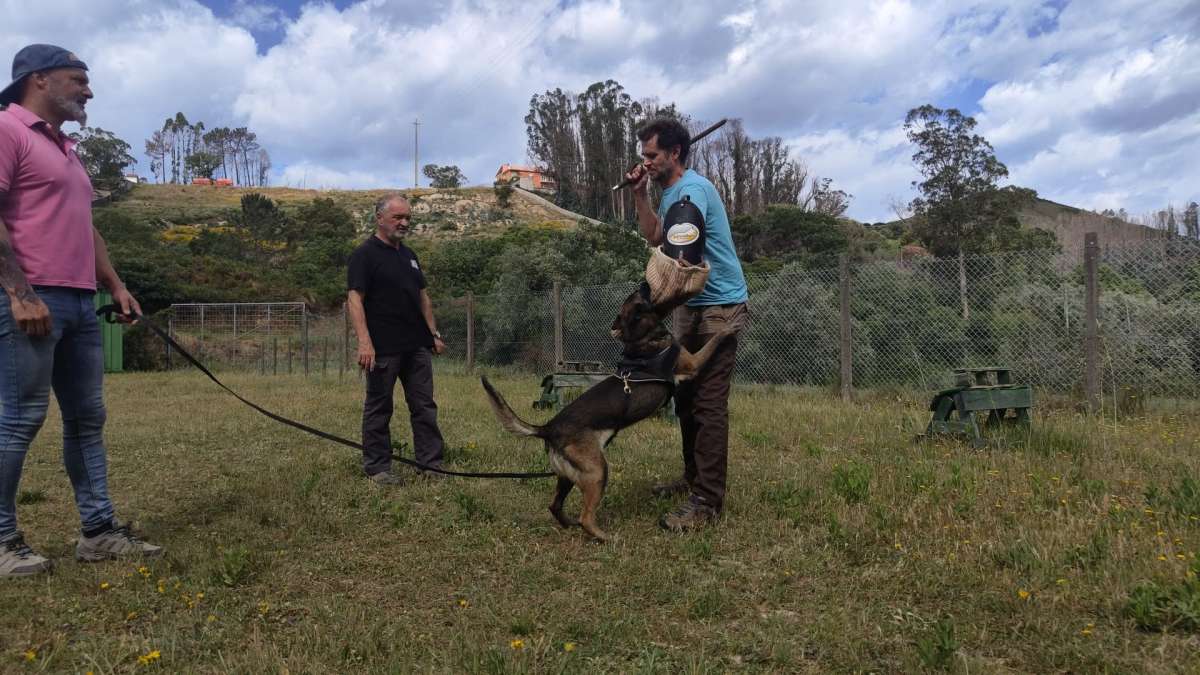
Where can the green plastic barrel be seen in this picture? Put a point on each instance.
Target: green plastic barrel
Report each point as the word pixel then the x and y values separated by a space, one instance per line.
pixel 112 338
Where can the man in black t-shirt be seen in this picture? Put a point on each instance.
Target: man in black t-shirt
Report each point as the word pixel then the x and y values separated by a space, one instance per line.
pixel 393 319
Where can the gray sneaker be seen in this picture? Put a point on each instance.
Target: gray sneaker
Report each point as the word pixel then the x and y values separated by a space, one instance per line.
pixel 693 515
pixel 18 560
pixel 119 542
pixel 679 486
pixel 386 478
pixel 433 475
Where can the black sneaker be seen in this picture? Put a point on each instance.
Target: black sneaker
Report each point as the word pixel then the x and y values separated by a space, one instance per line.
pixel 18 560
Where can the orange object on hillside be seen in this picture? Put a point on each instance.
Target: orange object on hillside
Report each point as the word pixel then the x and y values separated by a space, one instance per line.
pixel 528 177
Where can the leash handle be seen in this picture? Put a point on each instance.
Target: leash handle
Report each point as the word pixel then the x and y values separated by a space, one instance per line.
pixel 108 311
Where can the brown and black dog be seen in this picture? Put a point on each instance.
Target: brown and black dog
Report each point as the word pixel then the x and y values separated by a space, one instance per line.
pixel 576 437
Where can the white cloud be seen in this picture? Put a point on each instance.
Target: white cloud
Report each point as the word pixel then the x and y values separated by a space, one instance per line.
pixel 1088 104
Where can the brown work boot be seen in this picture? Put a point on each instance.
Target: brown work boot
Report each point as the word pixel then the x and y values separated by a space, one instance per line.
pixel 693 515
pixel 679 486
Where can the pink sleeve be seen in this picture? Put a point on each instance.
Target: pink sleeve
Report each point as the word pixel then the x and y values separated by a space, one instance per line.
pixel 9 154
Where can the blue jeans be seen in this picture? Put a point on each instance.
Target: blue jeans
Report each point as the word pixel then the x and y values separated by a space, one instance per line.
pixel 70 360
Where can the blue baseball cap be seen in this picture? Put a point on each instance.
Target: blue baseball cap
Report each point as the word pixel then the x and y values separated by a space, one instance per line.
pixel 35 58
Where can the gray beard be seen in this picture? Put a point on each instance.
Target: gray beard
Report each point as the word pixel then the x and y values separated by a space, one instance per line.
pixel 71 111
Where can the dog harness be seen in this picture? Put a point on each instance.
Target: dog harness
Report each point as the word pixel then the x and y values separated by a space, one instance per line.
pixel 659 367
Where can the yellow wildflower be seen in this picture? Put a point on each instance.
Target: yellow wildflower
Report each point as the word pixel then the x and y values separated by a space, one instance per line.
pixel 1162 557
pixel 131 616
pixel 263 607
pixel 569 647
pixel 1087 630
pixel 212 618
pixel 1023 594
pixel 1060 582
pixel 144 571
pixel 104 585
pixel 462 602
pixel 147 659
pixel 30 655
pixel 517 644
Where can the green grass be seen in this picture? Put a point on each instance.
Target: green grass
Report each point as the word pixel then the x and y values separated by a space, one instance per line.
pixel 845 545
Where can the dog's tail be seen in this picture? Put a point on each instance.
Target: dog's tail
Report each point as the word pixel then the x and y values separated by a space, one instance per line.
pixel 505 414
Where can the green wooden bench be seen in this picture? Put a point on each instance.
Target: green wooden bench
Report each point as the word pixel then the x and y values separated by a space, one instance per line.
pixel 978 390
pixel 568 375
pixel 579 375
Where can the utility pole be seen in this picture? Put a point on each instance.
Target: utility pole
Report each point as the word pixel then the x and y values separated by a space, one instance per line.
pixel 416 152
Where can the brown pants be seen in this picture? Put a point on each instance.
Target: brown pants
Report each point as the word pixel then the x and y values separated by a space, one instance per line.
pixel 702 404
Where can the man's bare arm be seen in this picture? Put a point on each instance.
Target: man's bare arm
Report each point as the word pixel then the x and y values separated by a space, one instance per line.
pixel 107 276
pixel 358 319
pixel 12 277
pixel 28 310
pixel 427 312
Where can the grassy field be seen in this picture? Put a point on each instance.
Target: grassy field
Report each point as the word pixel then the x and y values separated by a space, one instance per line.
pixel 845 546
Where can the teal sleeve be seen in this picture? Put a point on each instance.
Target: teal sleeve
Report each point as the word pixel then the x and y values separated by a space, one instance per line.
pixel 698 197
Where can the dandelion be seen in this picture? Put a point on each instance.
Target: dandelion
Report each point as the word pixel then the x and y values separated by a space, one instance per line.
pixel 569 647
pixel 150 657
pixel 462 602
pixel 1162 557
pixel 1022 594
pixel 1180 556
pixel 517 644
pixel 30 655
pixel 104 585
pixel 200 596
pixel 1087 630
pixel 162 585
pixel 263 607
pixel 144 571
pixel 212 618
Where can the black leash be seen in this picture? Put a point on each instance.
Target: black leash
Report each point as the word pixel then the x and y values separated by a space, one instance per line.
pixel 108 311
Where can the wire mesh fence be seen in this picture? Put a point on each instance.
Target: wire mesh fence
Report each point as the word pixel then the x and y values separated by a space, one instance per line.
pixel 911 323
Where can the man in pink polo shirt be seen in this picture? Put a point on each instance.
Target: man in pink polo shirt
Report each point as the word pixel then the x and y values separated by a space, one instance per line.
pixel 51 258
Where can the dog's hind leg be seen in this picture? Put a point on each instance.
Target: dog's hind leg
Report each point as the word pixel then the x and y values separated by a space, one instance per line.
pixel 560 496
pixel 592 484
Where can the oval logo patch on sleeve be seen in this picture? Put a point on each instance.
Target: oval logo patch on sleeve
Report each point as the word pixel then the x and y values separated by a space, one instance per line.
pixel 682 234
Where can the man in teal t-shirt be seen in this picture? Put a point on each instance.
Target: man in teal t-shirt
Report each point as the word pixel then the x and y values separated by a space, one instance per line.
pixel 703 403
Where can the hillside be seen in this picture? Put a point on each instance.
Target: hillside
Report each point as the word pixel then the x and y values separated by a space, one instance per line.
pixel 442 213
pixel 1070 224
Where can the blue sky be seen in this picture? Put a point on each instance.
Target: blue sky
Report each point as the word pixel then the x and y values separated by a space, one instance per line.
pixel 1090 103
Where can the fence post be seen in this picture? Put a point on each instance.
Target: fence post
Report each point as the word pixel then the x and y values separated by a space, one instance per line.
pixel 1091 340
pixel 470 331
pixel 201 349
pixel 847 364
pixel 304 335
pixel 556 298
pixel 171 333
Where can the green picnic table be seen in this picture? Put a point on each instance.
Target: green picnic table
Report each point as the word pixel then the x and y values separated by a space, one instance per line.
pixel 977 390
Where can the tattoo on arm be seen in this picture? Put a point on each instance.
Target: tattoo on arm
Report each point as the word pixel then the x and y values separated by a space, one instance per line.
pixel 12 277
